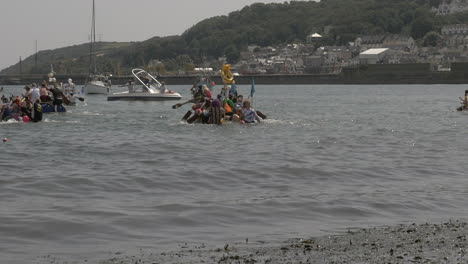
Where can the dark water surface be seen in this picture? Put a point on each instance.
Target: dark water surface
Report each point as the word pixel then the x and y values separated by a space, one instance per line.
pixel 118 177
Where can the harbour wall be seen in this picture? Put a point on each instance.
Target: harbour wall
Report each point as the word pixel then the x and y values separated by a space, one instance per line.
pixel 420 73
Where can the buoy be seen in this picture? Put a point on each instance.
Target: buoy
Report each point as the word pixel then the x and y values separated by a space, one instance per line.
pixel 5 140
pixel 25 119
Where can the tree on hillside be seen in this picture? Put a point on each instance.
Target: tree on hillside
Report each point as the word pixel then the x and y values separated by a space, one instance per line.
pixel 422 24
pixel 432 39
pixel 232 54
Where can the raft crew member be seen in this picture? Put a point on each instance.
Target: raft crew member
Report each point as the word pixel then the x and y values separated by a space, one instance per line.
pixel 198 92
pixel 27 94
pixel 147 80
pixel 58 97
pixel 162 88
pixel 37 111
pixel 197 112
pixel 130 86
pixel 206 91
pixel 248 114
pixel 15 109
pixel 465 102
pixel 44 93
pixel 107 81
pixel 35 94
pixel 228 106
pixel 26 107
pixel 233 91
pixel 5 112
pixel 69 88
pixel 215 113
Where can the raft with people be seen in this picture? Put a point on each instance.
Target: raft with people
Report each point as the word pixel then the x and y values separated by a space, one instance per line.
pixel 36 100
pixel 228 106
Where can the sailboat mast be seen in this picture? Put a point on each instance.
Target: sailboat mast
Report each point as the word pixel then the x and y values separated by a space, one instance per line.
pixel 94 35
pixel 92 58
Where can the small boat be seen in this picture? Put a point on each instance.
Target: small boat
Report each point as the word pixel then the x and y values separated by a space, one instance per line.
pixel 95 83
pixel 98 84
pixel 148 89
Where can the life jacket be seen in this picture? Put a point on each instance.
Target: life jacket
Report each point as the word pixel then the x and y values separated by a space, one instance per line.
pixel 37 108
pixel 227 108
pixel 37 113
pixel 249 115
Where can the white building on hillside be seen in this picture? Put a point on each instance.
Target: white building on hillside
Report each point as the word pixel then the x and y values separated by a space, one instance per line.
pixel 373 56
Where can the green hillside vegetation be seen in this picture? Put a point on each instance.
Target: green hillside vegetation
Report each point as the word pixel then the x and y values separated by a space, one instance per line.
pixel 68 60
pixel 339 21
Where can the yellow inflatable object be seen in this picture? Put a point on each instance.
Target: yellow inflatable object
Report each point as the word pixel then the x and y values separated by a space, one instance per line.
pixel 226 74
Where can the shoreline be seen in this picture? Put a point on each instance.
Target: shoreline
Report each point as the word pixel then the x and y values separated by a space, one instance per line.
pixel 423 243
pixel 404 243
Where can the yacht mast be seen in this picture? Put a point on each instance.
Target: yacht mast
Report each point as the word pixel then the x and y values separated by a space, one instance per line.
pixel 92 57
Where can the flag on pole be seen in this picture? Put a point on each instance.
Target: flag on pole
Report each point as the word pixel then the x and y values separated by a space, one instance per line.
pixel 252 89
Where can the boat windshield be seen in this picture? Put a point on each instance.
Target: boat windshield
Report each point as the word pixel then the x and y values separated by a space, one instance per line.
pixel 148 81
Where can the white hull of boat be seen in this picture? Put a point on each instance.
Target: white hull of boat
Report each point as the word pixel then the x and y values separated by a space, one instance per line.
pixel 140 96
pixel 96 87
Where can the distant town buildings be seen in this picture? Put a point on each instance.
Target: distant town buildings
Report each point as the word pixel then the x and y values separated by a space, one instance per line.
pixel 373 56
pixel 451 6
pixel 455 29
pixel 313 57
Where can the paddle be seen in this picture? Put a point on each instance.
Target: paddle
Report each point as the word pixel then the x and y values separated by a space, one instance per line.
pixel 187 115
pixel 195 116
pixel 181 104
pixel 65 99
pixel 260 114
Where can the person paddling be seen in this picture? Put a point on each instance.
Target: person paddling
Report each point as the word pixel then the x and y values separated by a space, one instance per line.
pixel 248 114
pixel 464 102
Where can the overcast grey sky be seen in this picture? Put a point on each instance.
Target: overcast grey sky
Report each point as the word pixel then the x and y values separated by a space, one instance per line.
pixel 60 23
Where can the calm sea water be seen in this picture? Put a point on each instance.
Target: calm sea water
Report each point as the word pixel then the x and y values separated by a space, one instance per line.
pixel 118 177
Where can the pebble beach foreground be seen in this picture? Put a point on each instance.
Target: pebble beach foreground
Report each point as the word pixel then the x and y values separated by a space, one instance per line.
pixel 423 243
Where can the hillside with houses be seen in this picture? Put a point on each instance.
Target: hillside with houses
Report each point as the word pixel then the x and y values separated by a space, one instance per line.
pixel 297 37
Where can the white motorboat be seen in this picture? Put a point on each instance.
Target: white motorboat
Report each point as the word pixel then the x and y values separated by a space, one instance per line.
pixel 148 88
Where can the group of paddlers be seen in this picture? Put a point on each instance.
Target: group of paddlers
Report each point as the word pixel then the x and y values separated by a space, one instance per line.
pixel 226 106
pixel 37 100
